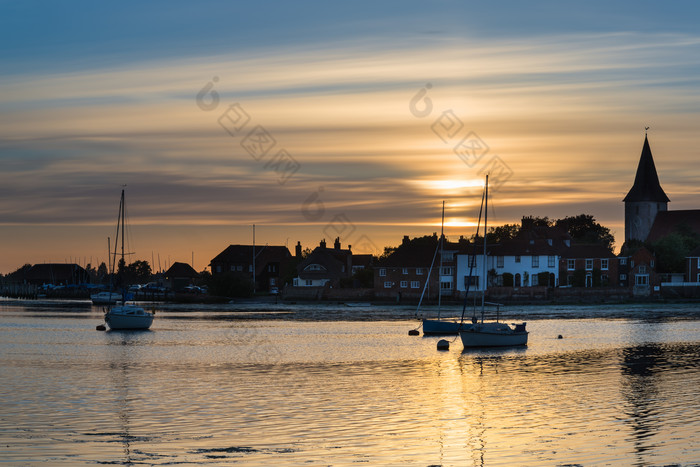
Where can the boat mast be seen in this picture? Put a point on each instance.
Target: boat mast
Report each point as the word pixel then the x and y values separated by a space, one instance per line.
pixel 486 214
pixel 122 207
pixel 442 234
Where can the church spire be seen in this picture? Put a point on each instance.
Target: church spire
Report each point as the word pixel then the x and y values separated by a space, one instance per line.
pixel 646 183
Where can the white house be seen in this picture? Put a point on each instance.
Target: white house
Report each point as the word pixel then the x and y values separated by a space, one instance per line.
pixel 524 259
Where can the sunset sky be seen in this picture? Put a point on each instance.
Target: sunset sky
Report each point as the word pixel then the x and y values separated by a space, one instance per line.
pixel 552 98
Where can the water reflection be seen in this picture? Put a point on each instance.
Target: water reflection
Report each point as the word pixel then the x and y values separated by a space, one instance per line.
pixel 645 388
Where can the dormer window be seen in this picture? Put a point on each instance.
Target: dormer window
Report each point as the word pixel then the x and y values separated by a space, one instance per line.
pixel 314 267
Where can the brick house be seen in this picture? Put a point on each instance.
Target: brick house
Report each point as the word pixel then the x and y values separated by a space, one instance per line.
pixel 406 271
pixel 329 266
pixel 588 266
pixel 269 264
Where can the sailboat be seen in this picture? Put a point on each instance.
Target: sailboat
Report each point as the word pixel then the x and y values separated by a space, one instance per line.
pixel 437 327
pixel 494 333
pixel 125 316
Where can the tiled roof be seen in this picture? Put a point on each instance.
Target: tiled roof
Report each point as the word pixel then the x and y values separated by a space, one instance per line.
pixel 668 222
pixel 181 270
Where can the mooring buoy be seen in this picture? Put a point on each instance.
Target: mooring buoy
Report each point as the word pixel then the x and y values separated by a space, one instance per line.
pixel 100 327
pixel 560 336
pixel 443 345
pixel 413 332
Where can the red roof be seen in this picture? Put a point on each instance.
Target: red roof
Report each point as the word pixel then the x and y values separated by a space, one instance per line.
pixel 668 222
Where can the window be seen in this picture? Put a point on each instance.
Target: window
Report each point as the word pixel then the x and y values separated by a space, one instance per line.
pixel 471 281
pixel 445 286
pixel 419 271
pixel 404 284
pixel 632 263
pixel 623 277
pixel 415 284
pixel 570 264
pixel 387 284
pixel 309 282
pixel 273 281
pixel 517 259
pixel 472 262
pixel 641 279
pixel 604 264
pixel 642 269
pixel 499 261
pixel 698 277
pixel 651 263
pixel 623 261
pixel 233 268
pixel 534 279
pixel 535 261
pixel 404 270
pixel 250 268
pixel 551 261
pixel 446 271
pixel 589 264
pixel 382 272
pixel 218 268
pixel 314 267
pixel 239 267
pixel 447 256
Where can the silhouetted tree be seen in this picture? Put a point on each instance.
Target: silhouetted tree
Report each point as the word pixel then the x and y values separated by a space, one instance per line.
pixel 584 229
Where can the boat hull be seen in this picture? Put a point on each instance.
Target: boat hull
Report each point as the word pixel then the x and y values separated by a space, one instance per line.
pixel 494 335
pixel 105 298
pixel 434 327
pixel 128 317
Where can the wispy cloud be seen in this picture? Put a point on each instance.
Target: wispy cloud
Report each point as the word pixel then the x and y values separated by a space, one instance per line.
pixel 565 112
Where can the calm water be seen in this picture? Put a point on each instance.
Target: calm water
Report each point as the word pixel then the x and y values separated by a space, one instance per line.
pixel 332 385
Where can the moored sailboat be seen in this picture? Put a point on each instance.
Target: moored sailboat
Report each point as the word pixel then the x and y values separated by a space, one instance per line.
pixel 125 316
pixel 491 334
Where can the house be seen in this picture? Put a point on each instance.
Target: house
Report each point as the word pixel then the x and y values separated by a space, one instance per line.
pixel 179 276
pixel 584 265
pixel 637 271
pixel 530 259
pixel 692 262
pixel 56 274
pixel 418 267
pixel 266 263
pixel 329 266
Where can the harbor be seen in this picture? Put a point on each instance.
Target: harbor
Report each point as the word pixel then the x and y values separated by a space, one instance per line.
pixel 269 384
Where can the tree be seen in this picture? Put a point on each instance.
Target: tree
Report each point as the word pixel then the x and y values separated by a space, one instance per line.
pixel 672 250
pixel 502 233
pixel 584 229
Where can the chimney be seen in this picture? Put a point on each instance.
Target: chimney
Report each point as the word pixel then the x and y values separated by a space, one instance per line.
pixel 323 243
pixel 298 250
pixel 336 244
pixel 527 222
pixel 406 240
pixel 349 247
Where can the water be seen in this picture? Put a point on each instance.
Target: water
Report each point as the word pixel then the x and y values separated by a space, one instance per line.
pixel 332 385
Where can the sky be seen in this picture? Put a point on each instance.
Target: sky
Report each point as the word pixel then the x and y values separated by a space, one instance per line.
pixel 315 120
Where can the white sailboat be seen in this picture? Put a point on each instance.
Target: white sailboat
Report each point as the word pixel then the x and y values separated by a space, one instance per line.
pixel 126 316
pixel 491 334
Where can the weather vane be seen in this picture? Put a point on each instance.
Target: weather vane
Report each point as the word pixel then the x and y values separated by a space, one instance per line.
pixel 646 128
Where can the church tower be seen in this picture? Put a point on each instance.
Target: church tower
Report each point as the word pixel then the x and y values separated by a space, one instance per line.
pixel 645 199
